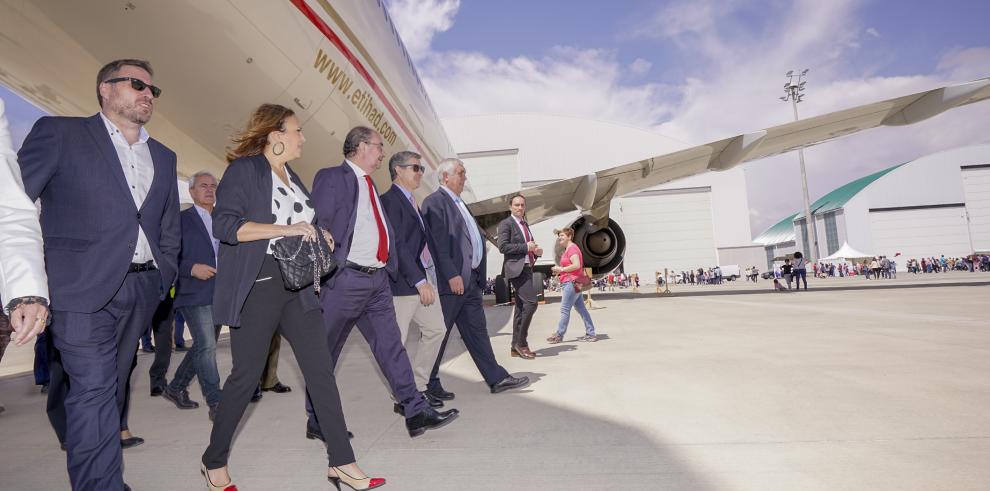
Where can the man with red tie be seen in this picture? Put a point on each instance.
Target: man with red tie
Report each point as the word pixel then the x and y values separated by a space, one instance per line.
pixel 515 242
pixel 359 293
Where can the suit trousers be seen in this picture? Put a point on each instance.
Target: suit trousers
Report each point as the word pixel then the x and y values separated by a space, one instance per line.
pixel 269 377
pixel 468 312
pixel 91 377
pixel 270 307
pixel 161 326
pixel 365 300
pixel 525 298
pixel 429 318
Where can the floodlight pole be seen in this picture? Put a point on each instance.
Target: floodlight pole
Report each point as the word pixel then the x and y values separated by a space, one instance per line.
pixel 793 92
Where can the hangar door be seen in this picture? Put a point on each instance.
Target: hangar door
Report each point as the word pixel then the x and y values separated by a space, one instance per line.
pixel 918 232
pixel 976 189
pixel 666 229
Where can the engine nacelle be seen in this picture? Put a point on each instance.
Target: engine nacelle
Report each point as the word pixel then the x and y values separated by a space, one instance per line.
pixel 602 247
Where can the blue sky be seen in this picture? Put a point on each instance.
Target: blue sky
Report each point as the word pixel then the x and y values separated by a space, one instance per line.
pixel 699 70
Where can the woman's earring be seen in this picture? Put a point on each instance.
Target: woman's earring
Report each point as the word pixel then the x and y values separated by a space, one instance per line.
pixel 278 148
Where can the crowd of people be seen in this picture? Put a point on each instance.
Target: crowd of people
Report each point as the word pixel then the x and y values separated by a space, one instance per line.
pixel 110 254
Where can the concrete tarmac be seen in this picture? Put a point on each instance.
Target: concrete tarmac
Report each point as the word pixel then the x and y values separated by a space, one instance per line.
pixel 851 385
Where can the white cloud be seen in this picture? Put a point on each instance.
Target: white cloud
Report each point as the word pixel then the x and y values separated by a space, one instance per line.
pixel 873 32
pixel 732 86
pixel 419 20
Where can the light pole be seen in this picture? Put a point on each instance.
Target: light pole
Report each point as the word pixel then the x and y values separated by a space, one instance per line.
pixel 794 92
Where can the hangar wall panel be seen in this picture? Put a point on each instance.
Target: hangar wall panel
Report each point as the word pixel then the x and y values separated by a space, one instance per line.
pixel 976 188
pixel 920 233
pixel 672 231
pixel 492 173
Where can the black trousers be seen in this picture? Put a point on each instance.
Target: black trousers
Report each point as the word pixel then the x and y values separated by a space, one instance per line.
pixel 161 327
pixel 525 297
pixel 270 307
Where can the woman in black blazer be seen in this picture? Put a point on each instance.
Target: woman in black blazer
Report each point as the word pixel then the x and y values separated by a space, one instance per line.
pixel 260 200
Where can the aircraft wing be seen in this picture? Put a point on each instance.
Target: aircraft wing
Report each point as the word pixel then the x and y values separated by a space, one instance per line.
pixel 592 193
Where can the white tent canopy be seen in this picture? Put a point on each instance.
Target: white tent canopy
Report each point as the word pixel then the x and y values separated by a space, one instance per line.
pixel 846 252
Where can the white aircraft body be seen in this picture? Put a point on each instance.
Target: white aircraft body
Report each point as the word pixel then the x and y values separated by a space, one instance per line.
pixel 340 65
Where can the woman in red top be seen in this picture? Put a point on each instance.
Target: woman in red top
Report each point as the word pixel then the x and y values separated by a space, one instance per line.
pixel 571 268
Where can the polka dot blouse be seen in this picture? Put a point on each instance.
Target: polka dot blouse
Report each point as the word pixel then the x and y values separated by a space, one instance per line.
pixel 289 205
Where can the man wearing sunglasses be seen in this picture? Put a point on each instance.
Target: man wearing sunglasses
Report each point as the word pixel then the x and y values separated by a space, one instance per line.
pixel 414 285
pixel 110 222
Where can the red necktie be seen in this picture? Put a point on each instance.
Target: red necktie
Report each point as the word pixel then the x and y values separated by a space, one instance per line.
pixel 382 235
pixel 529 238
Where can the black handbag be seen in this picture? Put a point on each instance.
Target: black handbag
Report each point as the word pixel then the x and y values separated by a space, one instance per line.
pixel 304 262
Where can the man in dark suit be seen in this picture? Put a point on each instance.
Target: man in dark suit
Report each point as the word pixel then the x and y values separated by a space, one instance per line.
pixel 515 242
pixel 347 205
pixel 460 261
pixel 414 284
pixel 194 297
pixel 110 222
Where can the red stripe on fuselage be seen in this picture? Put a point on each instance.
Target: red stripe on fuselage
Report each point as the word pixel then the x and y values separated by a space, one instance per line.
pixel 336 41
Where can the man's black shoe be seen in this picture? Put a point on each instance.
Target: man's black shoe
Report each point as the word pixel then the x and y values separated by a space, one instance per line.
pixel 62 446
pixel 257 394
pixel 433 400
pixel 157 387
pixel 148 349
pixel 213 411
pixel 314 433
pixel 180 399
pixel 509 382
pixel 278 388
pixel 44 388
pixel 181 348
pixel 429 419
pixel 133 441
pixel 441 394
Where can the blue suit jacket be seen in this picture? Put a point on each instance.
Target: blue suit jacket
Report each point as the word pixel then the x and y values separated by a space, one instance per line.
pixel 411 237
pixel 453 245
pixel 245 195
pixel 197 248
pixel 88 218
pixel 335 195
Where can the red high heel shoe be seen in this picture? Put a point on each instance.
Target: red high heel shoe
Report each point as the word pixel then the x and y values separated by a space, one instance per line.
pixel 353 482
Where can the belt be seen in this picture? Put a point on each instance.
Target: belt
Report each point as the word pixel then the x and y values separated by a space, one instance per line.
pixel 141 267
pixel 363 269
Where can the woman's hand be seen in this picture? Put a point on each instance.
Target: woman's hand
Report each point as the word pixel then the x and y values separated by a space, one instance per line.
pixel 305 229
pixel 555 269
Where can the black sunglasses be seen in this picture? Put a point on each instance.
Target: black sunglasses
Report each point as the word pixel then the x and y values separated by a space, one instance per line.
pixel 415 167
pixel 137 84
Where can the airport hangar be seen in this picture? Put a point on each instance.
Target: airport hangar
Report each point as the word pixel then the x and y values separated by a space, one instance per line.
pixel 699 221
pixel 934 205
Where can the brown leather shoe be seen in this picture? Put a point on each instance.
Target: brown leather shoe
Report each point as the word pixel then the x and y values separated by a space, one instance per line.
pixel 522 352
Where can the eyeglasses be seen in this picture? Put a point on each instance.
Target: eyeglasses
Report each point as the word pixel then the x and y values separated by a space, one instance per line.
pixel 415 167
pixel 137 84
pixel 380 145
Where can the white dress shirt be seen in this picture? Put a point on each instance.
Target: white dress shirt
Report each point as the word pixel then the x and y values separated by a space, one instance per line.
pixel 364 244
pixel 22 260
pixel 139 171
pixel 477 242
pixel 208 223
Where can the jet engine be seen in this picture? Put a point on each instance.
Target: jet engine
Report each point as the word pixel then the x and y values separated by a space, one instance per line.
pixel 602 247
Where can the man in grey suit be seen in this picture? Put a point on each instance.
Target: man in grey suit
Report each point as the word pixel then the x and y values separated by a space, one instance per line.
pixel 515 242
pixel 460 265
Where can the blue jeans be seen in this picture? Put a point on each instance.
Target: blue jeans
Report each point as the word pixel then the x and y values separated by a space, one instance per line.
pixel 201 360
pixel 573 298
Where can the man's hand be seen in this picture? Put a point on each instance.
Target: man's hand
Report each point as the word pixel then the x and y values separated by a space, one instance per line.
pixel 531 246
pixel 426 294
pixel 457 285
pixel 538 252
pixel 203 271
pixel 28 321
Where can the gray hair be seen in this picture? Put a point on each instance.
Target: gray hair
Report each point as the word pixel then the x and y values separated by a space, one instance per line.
pixel 192 178
pixel 354 138
pixel 447 166
pixel 399 159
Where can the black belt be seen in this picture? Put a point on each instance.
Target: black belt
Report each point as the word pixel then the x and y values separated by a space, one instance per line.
pixel 363 269
pixel 142 267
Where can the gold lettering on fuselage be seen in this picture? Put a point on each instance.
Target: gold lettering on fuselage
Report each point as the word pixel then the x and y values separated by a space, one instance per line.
pixel 362 100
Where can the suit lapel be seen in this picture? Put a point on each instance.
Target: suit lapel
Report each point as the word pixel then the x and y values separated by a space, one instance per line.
pixel 158 165
pixel 98 130
pixel 202 226
pixel 350 185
